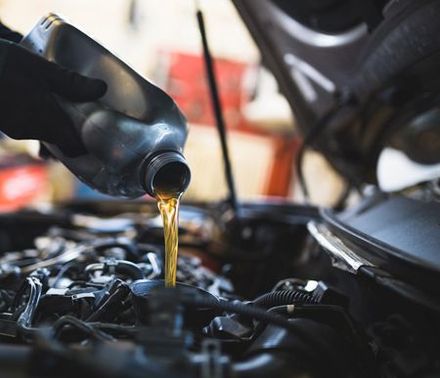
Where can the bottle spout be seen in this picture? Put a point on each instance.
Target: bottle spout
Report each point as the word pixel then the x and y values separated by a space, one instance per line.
pixel 167 173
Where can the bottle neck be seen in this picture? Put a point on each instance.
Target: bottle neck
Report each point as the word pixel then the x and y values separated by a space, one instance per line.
pixel 166 173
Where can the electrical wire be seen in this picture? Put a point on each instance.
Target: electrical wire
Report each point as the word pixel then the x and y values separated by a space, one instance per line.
pixel 307 141
pixel 311 136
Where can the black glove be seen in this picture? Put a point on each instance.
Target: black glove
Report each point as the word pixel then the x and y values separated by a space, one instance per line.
pixel 10 35
pixel 28 109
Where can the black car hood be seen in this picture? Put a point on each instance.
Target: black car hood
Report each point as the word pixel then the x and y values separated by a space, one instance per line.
pixel 307 63
pixel 371 63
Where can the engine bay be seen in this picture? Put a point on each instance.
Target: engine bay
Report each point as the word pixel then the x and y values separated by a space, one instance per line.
pixel 82 293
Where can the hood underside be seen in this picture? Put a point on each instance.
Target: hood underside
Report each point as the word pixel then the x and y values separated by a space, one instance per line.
pixel 366 68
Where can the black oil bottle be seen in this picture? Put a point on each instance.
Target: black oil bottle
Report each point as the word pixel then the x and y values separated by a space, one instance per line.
pixel 134 135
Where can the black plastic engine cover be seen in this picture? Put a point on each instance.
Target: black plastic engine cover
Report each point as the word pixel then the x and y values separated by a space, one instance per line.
pixel 398 235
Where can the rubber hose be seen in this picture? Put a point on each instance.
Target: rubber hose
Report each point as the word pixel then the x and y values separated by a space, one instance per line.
pixel 284 297
pixel 130 269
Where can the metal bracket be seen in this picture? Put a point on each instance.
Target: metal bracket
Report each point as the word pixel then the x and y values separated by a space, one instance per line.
pixel 343 257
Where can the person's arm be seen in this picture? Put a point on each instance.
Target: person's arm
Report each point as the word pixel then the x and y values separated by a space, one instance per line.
pixel 28 108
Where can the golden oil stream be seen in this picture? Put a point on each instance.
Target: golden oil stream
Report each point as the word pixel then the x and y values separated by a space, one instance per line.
pixel 169 210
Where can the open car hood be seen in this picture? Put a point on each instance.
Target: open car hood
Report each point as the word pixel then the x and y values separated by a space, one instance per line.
pixel 368 67
pixel 307 63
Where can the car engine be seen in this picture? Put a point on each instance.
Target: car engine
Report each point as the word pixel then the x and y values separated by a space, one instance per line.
pixel 82 293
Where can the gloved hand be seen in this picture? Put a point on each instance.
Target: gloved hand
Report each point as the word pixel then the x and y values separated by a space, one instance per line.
pixel 10 35
pixel 28 109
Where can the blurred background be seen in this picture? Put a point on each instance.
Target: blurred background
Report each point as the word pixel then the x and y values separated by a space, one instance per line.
pixel 160 39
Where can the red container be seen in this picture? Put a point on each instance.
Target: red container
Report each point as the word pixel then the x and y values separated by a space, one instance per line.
pixel 22 185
